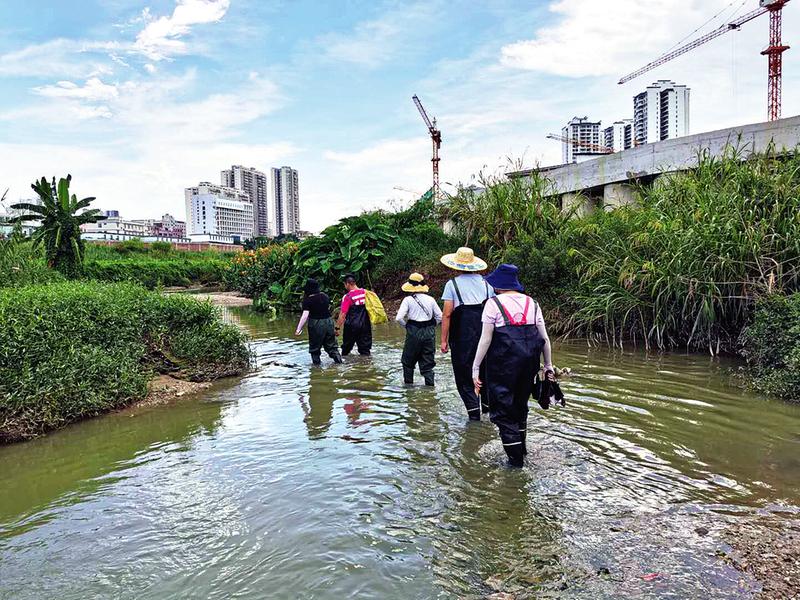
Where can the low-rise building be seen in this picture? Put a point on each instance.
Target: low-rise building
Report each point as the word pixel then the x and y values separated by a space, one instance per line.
pixel 114 228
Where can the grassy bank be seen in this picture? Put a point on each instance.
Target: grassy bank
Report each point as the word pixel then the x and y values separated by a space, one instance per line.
pixel 73 350
pixel 154 265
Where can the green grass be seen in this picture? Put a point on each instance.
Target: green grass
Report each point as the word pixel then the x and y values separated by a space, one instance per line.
pixel 74 350
pixel 683 266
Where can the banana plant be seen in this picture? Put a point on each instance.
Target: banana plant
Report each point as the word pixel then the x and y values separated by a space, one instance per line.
pixel 60 216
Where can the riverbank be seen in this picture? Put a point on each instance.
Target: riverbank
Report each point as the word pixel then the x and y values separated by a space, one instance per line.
pixel 768 548
pixel 73 350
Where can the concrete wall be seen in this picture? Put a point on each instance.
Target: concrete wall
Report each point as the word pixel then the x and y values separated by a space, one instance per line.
pixel 670 155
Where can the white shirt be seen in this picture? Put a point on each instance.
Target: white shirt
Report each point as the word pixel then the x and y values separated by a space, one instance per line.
pixel 419 307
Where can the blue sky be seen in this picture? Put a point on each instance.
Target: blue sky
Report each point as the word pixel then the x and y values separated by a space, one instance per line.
pixel 141 99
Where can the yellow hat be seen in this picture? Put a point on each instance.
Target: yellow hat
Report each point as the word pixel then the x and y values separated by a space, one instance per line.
pixel 415 283
pixel 463 259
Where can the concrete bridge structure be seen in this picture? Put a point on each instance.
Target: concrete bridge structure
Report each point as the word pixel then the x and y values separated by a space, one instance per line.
pixel 608 180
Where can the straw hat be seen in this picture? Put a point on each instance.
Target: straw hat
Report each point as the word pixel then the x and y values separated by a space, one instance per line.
pixel 415 283
pixel 464 260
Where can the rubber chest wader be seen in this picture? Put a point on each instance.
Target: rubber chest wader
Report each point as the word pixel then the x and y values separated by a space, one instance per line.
pixel 357 330
pixel 321 335
pixel 465 333
pixel 511 365
pixel 420 347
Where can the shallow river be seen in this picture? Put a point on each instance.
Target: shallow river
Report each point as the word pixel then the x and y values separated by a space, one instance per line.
pixel 340 482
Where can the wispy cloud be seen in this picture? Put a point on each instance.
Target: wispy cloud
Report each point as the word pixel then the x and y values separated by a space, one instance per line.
pixel 161 38
pixel 593 38
pixel 58 57
pixel 94 90
pixel 375 42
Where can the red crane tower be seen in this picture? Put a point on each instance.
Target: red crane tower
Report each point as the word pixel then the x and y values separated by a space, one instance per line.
pixel 436 138
pixel 774 51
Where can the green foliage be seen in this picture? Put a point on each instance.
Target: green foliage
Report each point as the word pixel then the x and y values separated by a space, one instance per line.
pixel 682 266
pixel 256 272
pixel 61 216
pixel 771 346
pixel 73 350
pixel 151 271
pixel 161 248
pixel 419 244
pixel 22 264
pixel 501 211
pixel 686 264
pixel 132 246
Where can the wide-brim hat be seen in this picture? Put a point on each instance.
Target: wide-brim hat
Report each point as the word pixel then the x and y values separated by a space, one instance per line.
pixel 415 284
pixel 505 277
pixel 464 259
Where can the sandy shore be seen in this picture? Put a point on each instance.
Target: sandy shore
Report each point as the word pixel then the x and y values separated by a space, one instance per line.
pixel 224 298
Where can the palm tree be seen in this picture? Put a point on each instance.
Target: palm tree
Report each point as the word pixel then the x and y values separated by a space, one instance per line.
pixel 60 229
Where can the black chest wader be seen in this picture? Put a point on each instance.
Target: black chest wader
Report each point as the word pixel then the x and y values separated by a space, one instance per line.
pixel 419 348
pixel 357 331
pixel 465 333
pixel 321 335
pixel 512 362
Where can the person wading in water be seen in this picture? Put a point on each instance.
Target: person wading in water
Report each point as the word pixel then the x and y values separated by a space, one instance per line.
pixel 317 313
pixel 512 339
pixel 354 317
pixel 419 314
pixel 464 298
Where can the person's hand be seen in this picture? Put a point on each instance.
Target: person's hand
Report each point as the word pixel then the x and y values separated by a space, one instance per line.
pixel 298 332
pixel 445 347
pixel 550 374
pixel 478 385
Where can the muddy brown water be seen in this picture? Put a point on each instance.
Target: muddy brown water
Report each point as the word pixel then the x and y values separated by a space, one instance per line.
pixel 340 482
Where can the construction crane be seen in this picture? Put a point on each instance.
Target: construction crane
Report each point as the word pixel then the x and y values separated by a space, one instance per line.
pixel 773 52
pixel 436 138
pixel 576 142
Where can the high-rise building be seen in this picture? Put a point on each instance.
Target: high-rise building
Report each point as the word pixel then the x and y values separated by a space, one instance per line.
pixel 254 183
pixel 583 138
pixel 619 135
pixel 661 112
pixel 216 210
pixel 284 197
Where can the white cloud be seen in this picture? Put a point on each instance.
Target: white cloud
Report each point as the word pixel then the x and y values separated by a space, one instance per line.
pixel 94 90
pixel 593 38
pixel 375 42
pixel 161 37
pixel 59 57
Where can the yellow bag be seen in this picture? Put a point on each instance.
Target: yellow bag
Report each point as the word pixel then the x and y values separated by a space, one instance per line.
pixel 375 310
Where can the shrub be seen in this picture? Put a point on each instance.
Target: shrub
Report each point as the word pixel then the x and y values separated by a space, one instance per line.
pixel 254 272
pixel 22 264
pixel 151 272
pixel 73 350
pixel 771 346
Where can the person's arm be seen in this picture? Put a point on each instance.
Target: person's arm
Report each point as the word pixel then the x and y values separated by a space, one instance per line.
pixel 447 314
pixel 402 312
pixel 547 351
pixel 449 300
pixel 343 312
pixel 437 312
pixel 302 323
pixel 483 347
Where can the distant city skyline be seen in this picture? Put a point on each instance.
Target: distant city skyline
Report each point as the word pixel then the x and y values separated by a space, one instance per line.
pixel 138 100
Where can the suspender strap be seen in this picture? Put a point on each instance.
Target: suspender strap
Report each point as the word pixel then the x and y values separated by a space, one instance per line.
pixel 507 319
pixel 422 307
pixel 487 289
pixel 503 312
pixel 458 292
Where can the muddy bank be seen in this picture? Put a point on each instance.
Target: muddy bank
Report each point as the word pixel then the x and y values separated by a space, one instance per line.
pixel 224 298
pixel 163 389
pixel 768 548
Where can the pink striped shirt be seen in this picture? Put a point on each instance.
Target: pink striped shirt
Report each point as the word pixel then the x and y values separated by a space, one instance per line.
pixel 357 297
